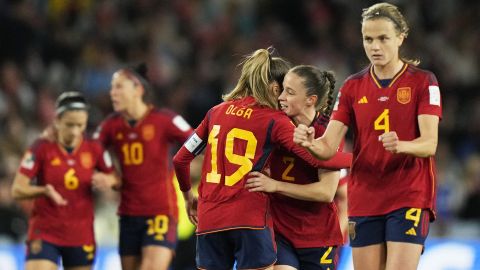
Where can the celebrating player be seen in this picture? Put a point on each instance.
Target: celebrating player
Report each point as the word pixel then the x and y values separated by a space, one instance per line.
pixel 140 136
pixel 394 109
pixel 61 225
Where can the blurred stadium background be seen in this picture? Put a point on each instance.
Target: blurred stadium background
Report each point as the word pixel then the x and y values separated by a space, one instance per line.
pixel 192 48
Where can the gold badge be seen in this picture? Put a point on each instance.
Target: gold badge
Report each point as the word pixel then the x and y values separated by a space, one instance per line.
pixel 86 160
pixel 90 251
pixel 36 246
pixel 148 132
pixel 404 95
pixel 56 162
pixel 351 230
pixel 119 136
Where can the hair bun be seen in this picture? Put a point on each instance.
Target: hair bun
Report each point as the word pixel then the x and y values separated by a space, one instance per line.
pixel 141 69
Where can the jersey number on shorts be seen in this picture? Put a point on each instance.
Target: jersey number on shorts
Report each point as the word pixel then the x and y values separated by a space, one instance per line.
pixel 70 179
pixel 132 153
pixel 244 161
pixel 324 259
pixel 382 122
pixel 158 226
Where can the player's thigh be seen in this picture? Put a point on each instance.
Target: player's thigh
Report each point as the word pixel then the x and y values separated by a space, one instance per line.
pixel 284 267
pixel 403 256
pixel 130 262
pixel 40 264
pixel 156 258
pixel 372 257
pixel 87 267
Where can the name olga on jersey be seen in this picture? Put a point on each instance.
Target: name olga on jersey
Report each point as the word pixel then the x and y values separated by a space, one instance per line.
pixel 239 111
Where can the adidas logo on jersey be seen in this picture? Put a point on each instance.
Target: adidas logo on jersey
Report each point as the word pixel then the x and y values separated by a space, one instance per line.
pixel 363 100
pixel 411 232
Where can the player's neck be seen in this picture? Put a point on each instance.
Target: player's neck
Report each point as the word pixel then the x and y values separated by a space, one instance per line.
pixel 306 117
pixel 389 70
pixel 137 112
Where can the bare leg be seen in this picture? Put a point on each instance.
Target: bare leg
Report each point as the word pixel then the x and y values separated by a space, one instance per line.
pixel 370 257
pixel 404 256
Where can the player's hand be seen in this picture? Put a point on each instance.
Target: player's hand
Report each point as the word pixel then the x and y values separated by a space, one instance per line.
pixel 304 135
pixel 191 203
pixel 261 183
pixel 54 195
pixel 102 181
pixel 390 142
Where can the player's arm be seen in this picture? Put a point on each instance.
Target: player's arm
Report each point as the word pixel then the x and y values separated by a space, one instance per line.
pixel 324 147
pixel 23 189
pixel 423 146
pixel 321 191
pixel 104 181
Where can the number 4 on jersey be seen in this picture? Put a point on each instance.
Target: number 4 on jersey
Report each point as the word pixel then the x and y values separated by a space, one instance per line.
pixel 382 122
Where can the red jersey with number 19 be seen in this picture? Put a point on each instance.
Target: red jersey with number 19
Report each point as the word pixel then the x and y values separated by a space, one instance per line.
pixel 143 151
pixel 305 224
pixel 381 181
pixel 71 176
pixel 239 137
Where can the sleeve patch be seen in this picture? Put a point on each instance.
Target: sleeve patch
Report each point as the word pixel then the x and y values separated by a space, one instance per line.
pixel 107 159
pixel 28 161
pixel 335 107
pixel 180 123
pixel 193 143
pixel 434 92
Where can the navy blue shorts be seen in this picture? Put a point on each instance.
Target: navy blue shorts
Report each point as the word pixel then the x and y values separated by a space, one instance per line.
pixel 321 258
pixel 71 256
pixel 408 225
pixel 138 232
pixel 249 248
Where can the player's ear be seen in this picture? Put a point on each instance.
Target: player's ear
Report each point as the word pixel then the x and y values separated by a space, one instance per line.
pixel 312 100
pixel 275 87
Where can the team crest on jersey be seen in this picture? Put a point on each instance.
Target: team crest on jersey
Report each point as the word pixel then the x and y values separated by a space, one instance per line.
pixel 404 95
pixel 36 246
pixel 86 160
pixel 351 230
pixel 148 132
pixel 119 136
pixel 55 162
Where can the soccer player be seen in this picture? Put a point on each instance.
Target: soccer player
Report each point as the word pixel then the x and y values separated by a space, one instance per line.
pixel 141 135
pixel 239 135
pixel 61 225
pixel 305 218
pixel 394 109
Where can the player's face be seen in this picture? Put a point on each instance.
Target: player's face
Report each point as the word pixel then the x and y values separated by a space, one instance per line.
pixel 70 126
pixel 293 98
pixel 380 41
pixel 123 92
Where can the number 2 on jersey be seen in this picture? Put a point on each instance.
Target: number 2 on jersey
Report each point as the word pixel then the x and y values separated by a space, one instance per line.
pixel 244 161
pixel 382 122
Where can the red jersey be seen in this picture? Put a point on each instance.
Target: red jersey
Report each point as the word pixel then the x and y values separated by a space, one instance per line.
pixel 71 176
pixel 143 149
pixel 239 137
pixel 305 224
pixel 381 181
